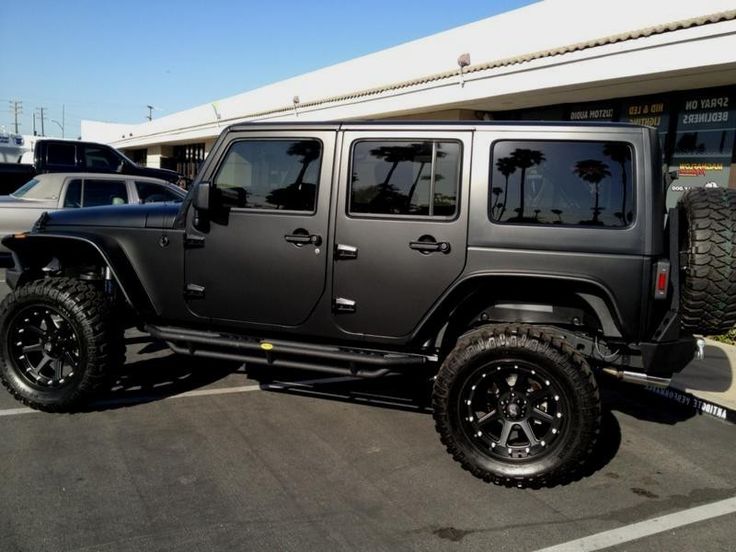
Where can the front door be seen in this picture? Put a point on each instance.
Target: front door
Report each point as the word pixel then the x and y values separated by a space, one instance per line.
pixel 263 261
pixel 401 227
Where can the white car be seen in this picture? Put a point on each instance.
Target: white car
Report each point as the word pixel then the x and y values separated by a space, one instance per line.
pixel 54 191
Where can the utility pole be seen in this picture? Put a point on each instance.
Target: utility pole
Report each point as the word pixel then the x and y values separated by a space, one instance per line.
pixel 42 116
pixel 34 124
pixel 150 112
pixel 61 124
pixel 16 108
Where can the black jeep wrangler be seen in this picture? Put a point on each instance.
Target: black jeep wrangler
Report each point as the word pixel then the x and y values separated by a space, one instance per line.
pixel 516 262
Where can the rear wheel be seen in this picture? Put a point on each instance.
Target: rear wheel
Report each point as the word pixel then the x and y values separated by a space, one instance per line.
pixel 516 407
pixel 58 341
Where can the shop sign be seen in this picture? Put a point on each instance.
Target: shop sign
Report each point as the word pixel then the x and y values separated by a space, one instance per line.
pixel 649 112
pixel 592 113
pixel 703 142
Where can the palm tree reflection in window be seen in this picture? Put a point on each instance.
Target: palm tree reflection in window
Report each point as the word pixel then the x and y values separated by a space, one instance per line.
pixel 593 171
pixel 506 167
pixel 388 198
pixel 397 196
pixel 521 159
pixel 621 153
pixel 525 159
pixel 299 195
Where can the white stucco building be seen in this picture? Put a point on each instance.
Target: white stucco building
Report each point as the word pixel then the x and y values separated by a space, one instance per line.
pixel 666 63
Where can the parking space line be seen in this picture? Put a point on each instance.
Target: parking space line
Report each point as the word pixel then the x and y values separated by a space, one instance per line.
pixel 281 385
pixel 646 528
pixel 16 411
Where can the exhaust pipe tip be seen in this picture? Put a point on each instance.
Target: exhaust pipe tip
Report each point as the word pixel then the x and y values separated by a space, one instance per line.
pixel 638 378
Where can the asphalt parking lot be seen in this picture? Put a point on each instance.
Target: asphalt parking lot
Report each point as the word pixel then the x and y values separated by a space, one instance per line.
pixel 188 454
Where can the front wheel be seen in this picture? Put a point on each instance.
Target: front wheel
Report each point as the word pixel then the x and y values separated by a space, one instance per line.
pixel 517 407
pixel 58 341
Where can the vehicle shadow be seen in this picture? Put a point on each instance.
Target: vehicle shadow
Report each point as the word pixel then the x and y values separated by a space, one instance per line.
pixel 640 403
pixel 156 374
pixel 714 373
pixel 159 378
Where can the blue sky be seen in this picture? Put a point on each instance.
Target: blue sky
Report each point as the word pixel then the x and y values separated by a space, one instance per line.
pixel 107 60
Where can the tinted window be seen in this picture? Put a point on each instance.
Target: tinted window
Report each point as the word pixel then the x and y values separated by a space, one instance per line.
pixel 103 159
pixel 104 192
pixel 148 192
pixel 73 197
pixel 272 174
pixel 571 183
pixel 61 154
pixel 405 178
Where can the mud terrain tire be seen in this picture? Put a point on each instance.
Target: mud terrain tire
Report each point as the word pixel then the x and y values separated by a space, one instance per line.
pixel 708 251
pixel 58 342
pixel 517 407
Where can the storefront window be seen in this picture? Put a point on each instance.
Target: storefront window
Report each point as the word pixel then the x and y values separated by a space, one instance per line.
pixel 188 158
pixel 703 141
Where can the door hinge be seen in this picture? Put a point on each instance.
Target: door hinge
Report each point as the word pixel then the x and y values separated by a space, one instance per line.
pixel 340 304
pixel 193 291
pixel 193 242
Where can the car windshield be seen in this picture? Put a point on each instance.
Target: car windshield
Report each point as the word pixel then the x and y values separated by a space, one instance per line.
pixel 39 189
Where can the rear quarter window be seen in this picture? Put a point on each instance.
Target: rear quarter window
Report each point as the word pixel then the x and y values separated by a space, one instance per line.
pixel 568 183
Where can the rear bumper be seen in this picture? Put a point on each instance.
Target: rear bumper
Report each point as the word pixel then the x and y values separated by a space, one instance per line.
pixel 663 359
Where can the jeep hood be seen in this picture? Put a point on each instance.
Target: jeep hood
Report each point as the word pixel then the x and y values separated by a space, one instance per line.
pixel 154 215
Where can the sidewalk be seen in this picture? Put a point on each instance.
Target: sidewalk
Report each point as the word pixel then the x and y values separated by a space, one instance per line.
pixel 712 379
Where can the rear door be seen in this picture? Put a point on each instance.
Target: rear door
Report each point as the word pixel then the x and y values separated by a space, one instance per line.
pixel 401 226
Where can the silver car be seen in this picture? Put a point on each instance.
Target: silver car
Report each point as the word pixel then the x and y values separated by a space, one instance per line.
pixel 53 191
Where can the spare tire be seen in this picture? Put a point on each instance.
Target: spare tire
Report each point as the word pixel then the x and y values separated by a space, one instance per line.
pixel 708 254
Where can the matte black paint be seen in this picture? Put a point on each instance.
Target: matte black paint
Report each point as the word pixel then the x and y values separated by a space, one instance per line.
pixel 257 283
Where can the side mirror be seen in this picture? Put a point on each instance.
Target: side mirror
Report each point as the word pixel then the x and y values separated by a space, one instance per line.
pixel 201 199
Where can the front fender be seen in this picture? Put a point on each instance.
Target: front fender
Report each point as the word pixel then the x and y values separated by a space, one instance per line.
pixel 32 252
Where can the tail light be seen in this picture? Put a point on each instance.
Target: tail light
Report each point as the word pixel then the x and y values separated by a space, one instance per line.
pixel 661 279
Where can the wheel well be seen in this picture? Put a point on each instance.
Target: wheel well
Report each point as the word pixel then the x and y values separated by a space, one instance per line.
pixel 39 256
pixel 579 306
pixel 72 258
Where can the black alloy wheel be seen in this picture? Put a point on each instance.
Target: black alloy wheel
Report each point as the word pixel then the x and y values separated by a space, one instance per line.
pixel 516 406
pixel 44 346
pixel 513 409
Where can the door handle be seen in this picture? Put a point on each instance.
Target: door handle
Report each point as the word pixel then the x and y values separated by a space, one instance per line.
pixel 303 239
pixel 427 247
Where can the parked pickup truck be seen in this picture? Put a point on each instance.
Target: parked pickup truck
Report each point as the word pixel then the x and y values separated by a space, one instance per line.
pixel 519 265
pixel 51 156
pixel 49 192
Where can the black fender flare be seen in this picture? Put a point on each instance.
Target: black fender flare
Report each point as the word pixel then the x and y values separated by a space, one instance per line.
pixel 593 293
pixel 31 252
